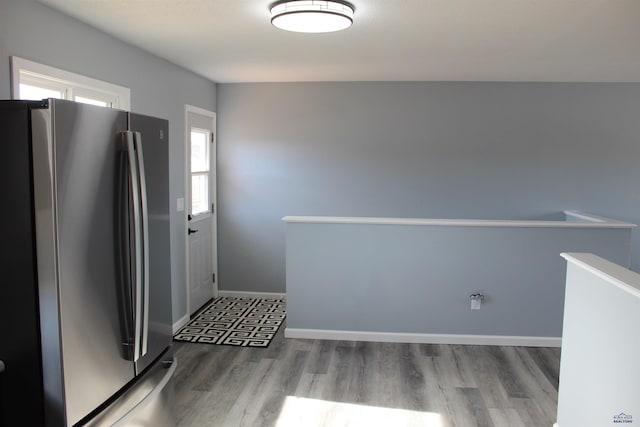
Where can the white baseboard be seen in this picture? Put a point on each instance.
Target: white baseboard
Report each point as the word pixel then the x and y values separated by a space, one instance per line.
pixel 518 341
pixel 180 323
pixel 237 294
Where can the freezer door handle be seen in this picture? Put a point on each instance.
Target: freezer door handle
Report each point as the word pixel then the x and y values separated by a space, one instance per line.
pixel 148 402
pixel 133 416
pixel 144 215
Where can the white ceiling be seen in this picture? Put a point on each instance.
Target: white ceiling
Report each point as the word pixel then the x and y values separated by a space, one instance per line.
pixel 422 40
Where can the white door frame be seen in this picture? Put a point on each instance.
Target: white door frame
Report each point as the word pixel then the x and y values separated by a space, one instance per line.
pixel 213 192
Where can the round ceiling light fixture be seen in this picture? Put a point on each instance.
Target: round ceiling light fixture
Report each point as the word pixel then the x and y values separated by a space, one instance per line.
pixel 312 16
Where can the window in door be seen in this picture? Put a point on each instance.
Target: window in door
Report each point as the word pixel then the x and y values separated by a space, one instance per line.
pixel 199 171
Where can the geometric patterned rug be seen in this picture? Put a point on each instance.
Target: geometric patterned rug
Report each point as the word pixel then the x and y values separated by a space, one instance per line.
pixel 245 322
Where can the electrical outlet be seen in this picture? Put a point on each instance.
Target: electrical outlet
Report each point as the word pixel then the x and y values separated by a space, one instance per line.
pixel 476 301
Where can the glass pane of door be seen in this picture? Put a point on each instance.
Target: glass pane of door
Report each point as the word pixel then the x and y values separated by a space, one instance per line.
pixel 199 193
pixel 199 151
pixel 199 171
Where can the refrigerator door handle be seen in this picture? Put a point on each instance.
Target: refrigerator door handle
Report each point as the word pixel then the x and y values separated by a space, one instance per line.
pixel 125 251
pixel 136 242
pixel 144 215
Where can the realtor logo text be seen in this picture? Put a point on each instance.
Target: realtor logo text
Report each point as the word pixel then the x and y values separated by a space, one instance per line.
pixel 622 418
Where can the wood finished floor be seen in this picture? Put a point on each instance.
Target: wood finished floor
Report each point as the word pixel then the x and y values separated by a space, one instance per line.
pixel 340 383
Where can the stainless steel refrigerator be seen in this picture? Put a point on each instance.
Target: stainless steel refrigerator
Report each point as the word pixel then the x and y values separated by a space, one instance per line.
pixel 85 303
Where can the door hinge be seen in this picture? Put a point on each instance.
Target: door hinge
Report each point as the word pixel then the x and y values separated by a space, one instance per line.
pixel 214 277
pixel 213 210
pixel 213 137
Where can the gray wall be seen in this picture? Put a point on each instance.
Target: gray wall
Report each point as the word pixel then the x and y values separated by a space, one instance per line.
pixel 412 149
pixel 418 278
pixel 158 88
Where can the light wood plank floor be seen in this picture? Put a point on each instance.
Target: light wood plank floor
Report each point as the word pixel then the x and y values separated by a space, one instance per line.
pixel 337 383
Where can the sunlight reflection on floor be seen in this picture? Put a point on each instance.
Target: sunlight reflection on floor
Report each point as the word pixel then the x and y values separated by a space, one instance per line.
pixel 300 411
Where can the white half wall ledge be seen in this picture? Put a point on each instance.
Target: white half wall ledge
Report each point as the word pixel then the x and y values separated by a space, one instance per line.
pixel 414 338
pixel 585 221
pixel 339 275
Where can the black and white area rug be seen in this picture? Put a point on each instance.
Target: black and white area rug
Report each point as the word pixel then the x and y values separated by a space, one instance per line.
pixel 244 322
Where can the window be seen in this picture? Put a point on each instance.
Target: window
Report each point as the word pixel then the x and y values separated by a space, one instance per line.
pixel 39 92
pixel 37 81
pixel 199 171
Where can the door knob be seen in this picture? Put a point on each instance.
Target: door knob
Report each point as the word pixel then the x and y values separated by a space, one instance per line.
pixel 192 231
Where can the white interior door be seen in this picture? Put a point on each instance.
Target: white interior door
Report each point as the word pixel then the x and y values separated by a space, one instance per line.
pixel 201 215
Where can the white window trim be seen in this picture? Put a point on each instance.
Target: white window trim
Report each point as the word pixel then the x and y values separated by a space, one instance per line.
pixel 29 72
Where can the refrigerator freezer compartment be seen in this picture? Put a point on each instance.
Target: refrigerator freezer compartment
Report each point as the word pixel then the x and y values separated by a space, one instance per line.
pixel 147 403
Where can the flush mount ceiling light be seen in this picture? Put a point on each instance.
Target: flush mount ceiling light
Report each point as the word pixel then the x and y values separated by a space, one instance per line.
pixel 312 16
